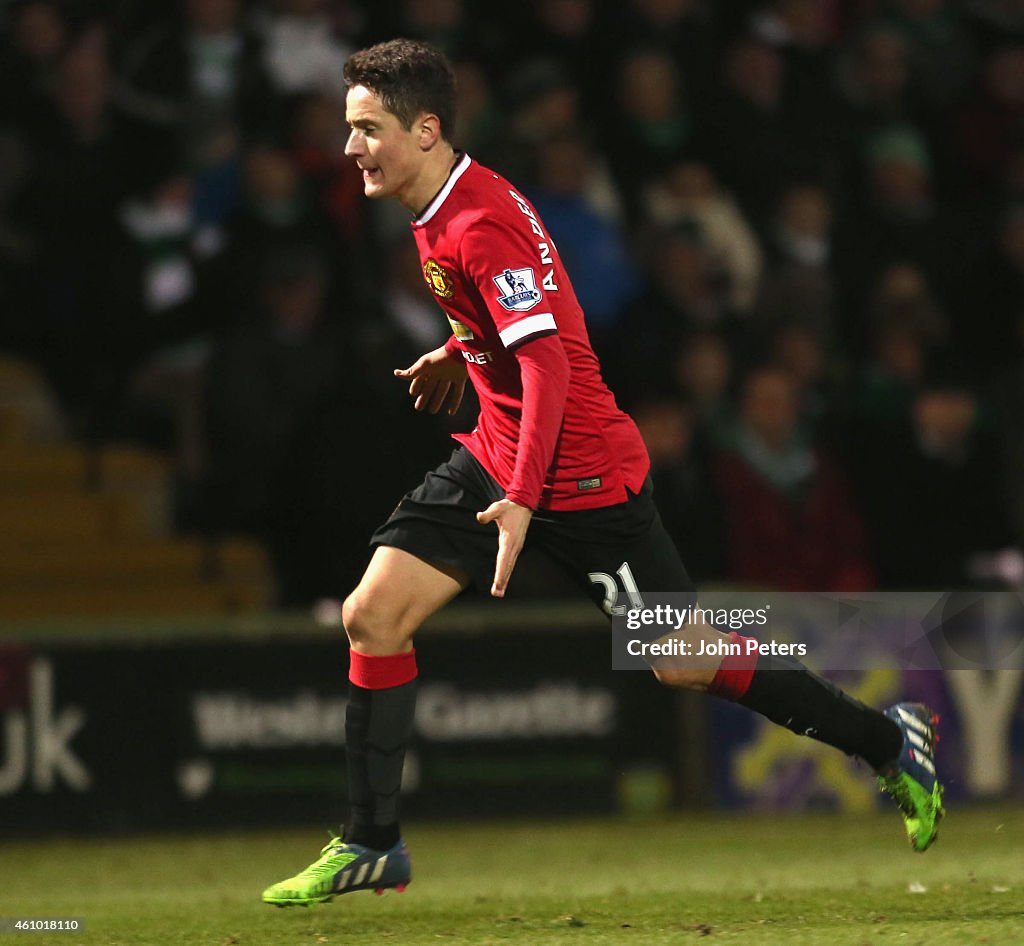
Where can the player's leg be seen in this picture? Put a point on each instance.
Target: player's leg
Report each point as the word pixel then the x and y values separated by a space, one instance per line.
pixel 396 595
pixel 427 552
pixel 898 744
pixel 598 547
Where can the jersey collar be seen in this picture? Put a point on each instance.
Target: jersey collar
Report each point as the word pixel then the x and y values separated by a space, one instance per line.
pixel 461 166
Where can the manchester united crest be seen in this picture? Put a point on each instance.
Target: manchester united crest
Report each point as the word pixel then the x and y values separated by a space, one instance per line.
pixel 438 279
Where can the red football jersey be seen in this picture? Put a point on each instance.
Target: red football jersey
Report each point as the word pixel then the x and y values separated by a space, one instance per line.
pixel 497 274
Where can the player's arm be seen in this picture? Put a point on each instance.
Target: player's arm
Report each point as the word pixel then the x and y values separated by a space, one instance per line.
pixel 493 246
pixel 545 374
pixel 436 379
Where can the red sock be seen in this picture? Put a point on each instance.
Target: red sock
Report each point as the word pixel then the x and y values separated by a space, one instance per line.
pixel 381 673
pixel 735 671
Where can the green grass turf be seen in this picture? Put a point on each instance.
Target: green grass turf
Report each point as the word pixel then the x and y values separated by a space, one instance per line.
pixel 714 879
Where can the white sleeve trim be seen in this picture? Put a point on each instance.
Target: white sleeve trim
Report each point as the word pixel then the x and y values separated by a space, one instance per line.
pixel 531 325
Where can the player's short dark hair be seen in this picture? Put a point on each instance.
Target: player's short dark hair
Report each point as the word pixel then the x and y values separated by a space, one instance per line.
pixel 410 78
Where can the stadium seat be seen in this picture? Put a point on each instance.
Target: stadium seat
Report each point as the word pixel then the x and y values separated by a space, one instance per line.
pixel 25 468
pixel 133 600
pixel 86 532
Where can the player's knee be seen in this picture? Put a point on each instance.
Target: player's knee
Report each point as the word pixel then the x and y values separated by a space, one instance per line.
pixel 683 678
pixel 372 625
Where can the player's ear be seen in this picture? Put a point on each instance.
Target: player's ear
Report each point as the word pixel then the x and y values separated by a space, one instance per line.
pixel 429 130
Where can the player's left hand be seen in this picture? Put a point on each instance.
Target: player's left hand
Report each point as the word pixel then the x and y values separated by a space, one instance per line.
pixel 512 520
pixel 436 379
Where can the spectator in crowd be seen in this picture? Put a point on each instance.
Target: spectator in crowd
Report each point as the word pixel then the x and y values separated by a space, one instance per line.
pixel 792 24
pixel 899 166
pixel 686 29
pixel 802 32
pixel 791 522
pixel 906 334
pixel 987 129
pixel 902 292
pixel 899 218
pixel 593 246
pixel 567 32
pixel 996 21
pixel 799 284
pixel 202 79
pixel 685 293
pixel 884 389
pixel 478 116
pixel 990 301
pixel 800 350
pixel 317 148
pixel 81 162
pixel 268 383
pixel 39 34
pixel 164 314
pixel 681 471
pixel 656 124
pixel 688 191
pixel 303 52
pixel 263 381
pixel 875 80
pixel 404 323
pixel 159 255
pixel 703 372
pixel 899 332
pixel 276 211
pixel 441 22
pixel 688 280
pixel 880 92
pixel 941 49
pixel 401 323
pixel 947 502
pixel 540 102
pixel 749 131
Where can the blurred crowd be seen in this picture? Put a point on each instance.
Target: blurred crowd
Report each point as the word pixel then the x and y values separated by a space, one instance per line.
pixel 796 228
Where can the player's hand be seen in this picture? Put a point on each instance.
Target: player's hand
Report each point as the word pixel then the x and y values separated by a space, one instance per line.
pixel 436 379
pixel 512 520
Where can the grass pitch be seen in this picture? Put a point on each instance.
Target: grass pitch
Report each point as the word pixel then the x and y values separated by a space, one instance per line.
pixel 755 880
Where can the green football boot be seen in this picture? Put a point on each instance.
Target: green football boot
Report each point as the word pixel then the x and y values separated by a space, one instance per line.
pixel 343 868
pixel 911 780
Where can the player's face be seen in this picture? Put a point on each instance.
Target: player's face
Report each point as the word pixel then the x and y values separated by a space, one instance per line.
pixel 388 155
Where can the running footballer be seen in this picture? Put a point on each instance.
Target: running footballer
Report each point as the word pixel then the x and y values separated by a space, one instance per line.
pixel 552 462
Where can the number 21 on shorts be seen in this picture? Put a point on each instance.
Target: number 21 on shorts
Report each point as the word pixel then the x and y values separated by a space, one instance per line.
pixel 611 590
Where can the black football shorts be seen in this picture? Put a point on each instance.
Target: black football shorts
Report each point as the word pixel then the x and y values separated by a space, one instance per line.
pixel 607 552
